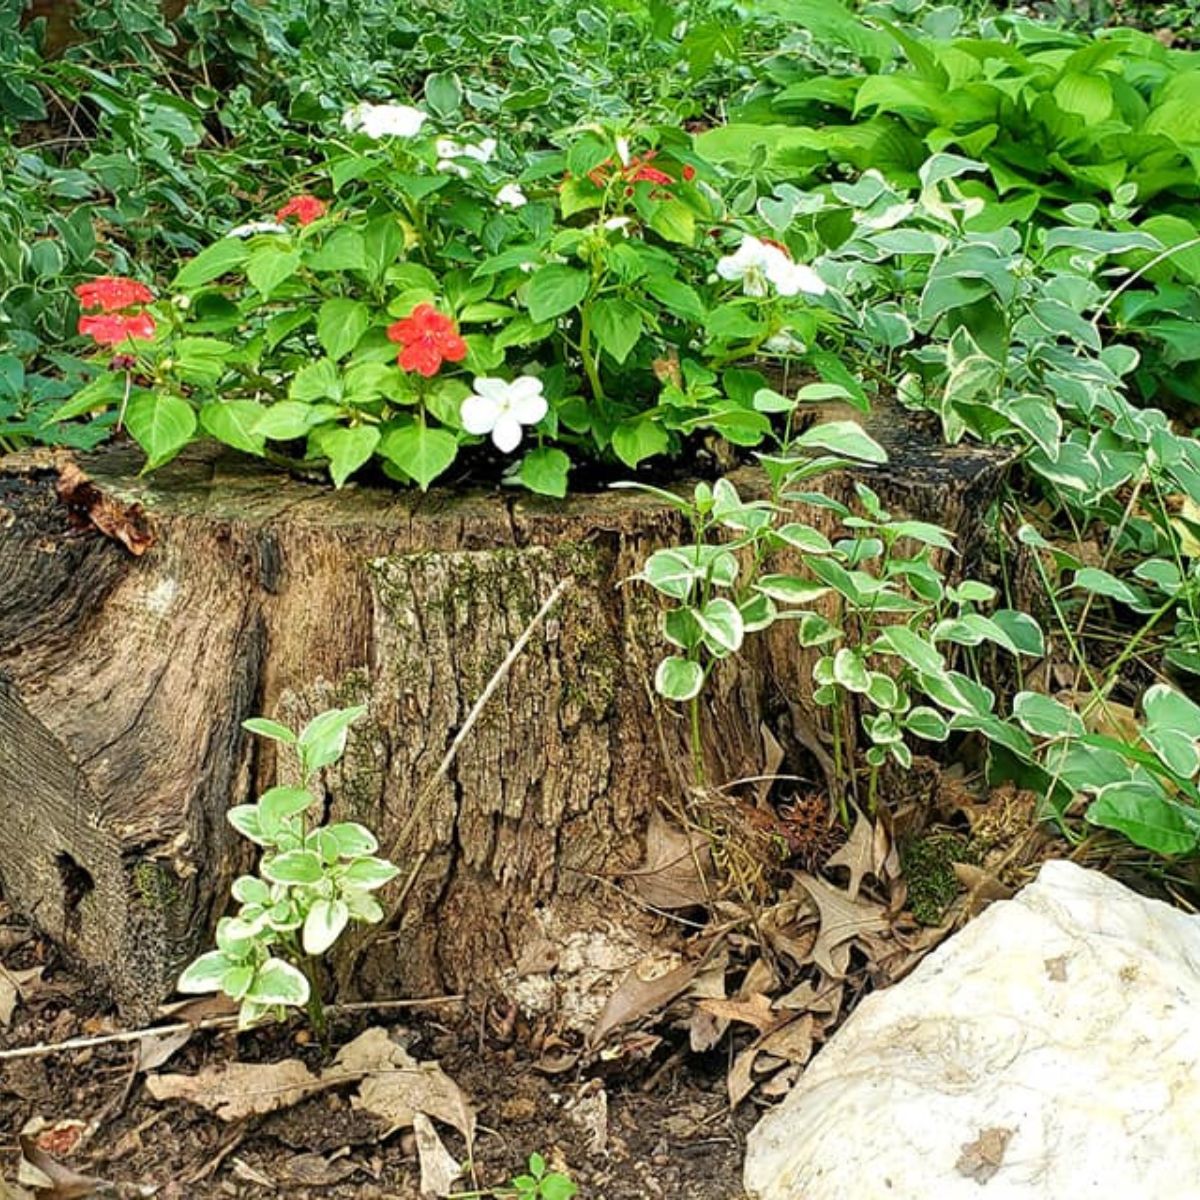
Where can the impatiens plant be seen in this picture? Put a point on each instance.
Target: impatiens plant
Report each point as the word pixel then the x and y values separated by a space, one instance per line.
pixel 449 301
pixel 312 882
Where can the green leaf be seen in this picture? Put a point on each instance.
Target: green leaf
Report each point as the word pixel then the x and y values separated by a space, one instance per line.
pixel 161 424
pixel 1093 579
pixel 367 874
pixel 720 621
pixel 340 325
pixel 293 867
pixel 617 325
pixel 206 974
pixel 790 589
pixel 845 438
pixel 420 451
pixel 353 840
pixel 211 263
pixel 927 723
pixel 104 391
pixel 556 289
pixel 288 419
pixel 674 221
pixel 443 93
pixel 679 298
pixel 850 671
pixel 278 982
pixel 269 266
pixel 804 538
pixel 323 739
pixel 235 422
pixel 317 381
pixel 343 250
pixel 639 438
pixel 1043 716
pixel 347 447
pixel 323 925
pixel 678 678
pixel 1144 815
pixel 544 470
pixel 278 803
pixel 244 818
pixel 910 646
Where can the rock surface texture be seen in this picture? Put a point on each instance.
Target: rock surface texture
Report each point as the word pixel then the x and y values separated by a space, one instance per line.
pixel 1051 1049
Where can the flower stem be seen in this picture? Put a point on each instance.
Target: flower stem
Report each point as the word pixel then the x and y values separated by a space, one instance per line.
pixel 697 743
pixel 590 365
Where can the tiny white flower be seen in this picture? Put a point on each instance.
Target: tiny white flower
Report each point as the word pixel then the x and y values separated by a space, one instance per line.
pixel 250 228
pixel 784 342
pixel 447 148
pixel 502 409
pixel 618 223
pixel 511 195
pixel 760 267
pixel 623 151
pixel 449 167
pixel 384 120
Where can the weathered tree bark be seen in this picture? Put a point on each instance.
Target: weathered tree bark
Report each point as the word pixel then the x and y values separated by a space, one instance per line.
pixel 124 680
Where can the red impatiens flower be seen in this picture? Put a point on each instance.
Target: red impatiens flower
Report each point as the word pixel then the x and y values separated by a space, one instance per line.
pixel 428 338
pixel 111 293
pixel 306 209
pixel 112 329
pixel 640 170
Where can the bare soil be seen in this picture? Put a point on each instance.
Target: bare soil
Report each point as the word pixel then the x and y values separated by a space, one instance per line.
pixel 669 1131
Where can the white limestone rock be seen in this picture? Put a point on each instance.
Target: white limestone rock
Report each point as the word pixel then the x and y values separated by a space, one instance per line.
pixel 1049 1050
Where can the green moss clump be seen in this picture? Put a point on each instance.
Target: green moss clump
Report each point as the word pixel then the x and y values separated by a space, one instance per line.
pixel 928 865
pixel 156 885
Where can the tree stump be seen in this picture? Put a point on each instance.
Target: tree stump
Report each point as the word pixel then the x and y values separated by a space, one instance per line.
pixel 124 679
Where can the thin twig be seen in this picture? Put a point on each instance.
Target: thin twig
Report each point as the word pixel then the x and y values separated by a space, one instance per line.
pixel 476 709
pixel 124 1037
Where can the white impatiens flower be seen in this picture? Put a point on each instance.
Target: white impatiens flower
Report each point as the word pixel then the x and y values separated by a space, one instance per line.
pixel 511 195
pixel 250 228
pixel 502 409
pixel 384 120
pixel 760 266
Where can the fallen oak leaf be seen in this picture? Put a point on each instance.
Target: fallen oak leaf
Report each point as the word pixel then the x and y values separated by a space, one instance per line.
pixel 857 855
pixel 841 919
pixel 637 997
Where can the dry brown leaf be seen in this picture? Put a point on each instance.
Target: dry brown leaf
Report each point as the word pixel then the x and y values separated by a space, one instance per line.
pixel 400 1092
pixel 773 756
pixel 14 986
pixel 780 1083
pixel 637 996
pixel 982 887
pixel 157 1051
pixel 439 1168
pixel 10 1191
pixel 237 1090
pixel 841 920
pixel 983 1157
pixel 314 1170
pixel 123 523
pixel 740 1080
pixel 756 1011
pixel 793 1041
pixel 676 867
pixel 704 1029
pixel 857 855
pixel 247 1174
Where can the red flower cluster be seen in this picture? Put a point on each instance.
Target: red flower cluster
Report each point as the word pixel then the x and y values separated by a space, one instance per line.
pixel 428 338
pixel 637 170
pixel 113 324
pixel 110 293
pixel 306 209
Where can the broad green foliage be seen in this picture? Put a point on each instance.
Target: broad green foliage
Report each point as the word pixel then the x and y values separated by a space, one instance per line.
pixel 313 881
